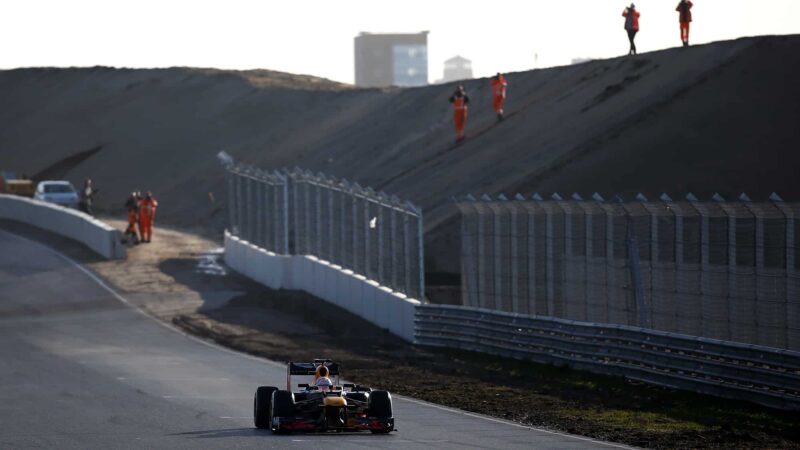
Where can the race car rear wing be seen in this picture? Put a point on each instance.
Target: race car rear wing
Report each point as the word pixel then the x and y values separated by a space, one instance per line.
pixel 300 368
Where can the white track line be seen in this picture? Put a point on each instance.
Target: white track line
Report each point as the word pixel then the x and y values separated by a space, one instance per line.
pixel 125 301
pixel 122 299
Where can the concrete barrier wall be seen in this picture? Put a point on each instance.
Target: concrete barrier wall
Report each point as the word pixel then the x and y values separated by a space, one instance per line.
pixel 363 297
pixel 95 234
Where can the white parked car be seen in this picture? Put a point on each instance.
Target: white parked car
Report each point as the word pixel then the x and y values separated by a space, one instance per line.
pixel 59 192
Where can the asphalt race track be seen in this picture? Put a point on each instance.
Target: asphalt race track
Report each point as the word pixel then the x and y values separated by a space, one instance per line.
pixel 79 368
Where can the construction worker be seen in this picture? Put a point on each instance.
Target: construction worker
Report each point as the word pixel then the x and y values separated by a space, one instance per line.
pixel 147 215
pixel 132 205
pixel 631 16
pixel 460 100
pixel 499 84
pixel 685 17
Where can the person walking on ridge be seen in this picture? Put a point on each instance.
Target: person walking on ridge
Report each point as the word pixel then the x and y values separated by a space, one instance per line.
pixel 460 100
pixel 685 17
pixel 147 215
pixel 499 85
pixel 631 16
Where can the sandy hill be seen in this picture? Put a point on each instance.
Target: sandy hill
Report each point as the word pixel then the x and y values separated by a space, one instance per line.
pixel 721 117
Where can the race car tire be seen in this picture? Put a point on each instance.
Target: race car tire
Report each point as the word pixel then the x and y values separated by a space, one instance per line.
pixel 282 406
pixel 380 406
pixel 262 404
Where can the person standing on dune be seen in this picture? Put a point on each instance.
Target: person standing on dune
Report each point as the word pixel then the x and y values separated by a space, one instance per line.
pixel 460 100
pixel 499 94
pixel 685 17
pixel 631 16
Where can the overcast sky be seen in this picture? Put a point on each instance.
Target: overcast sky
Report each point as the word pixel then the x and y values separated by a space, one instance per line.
pixel 316 37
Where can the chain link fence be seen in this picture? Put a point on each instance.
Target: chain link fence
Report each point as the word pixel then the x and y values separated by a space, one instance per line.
pixel 258 206
pixel 370 233
pixel 723 270
pixel 296 212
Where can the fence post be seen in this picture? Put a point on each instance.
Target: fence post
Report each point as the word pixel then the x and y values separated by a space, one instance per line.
pixel 484 284
pixel 639 225
pixel 469 253
pixel 792 214
pixel 232 228
pixel 248 204
pixel 343 216
pixel 382 200
pixel 240 203
pixel 393 244
pixel 355 220
pixel 318 213
pixel 516 262
pixel 636 274
pixel 420 251
pixel 714 270
pixel 688 273
pixel 406 255
pixel 369 195
pixel 329 193
pixel 285 216
pixel 260 207
pixel 741 271
pixel 771 306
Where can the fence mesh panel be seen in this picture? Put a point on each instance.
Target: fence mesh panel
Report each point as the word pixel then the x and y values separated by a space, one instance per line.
pixel 301 213
pixel 719 269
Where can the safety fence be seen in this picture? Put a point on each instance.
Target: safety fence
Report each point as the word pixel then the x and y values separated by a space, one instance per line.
pixel 297 212
pixel 723 270
pixel 371 233
pixel 258 206
pixel 741 371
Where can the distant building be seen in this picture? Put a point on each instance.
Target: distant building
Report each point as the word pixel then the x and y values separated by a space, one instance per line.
pixel 391 59
pixel 457 68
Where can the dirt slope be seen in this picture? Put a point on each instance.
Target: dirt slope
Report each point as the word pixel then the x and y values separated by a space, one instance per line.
pixel 715 118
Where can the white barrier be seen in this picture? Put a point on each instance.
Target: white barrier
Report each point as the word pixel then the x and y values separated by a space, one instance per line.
pixel 356 294
pixel 95 234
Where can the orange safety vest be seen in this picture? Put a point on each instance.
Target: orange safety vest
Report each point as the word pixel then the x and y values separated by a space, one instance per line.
pixel 459 103
pixel 147 208
pixel 499 87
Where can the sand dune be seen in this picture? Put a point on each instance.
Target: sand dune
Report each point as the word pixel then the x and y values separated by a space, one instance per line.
pixel 714 118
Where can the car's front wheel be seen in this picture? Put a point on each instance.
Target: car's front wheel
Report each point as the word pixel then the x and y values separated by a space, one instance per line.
pixel 282 406
pixel 262 404
pixel 380 406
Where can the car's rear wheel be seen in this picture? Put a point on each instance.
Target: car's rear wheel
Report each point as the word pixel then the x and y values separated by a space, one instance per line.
pixel 282 406
pixel 262 404
pixel 380 406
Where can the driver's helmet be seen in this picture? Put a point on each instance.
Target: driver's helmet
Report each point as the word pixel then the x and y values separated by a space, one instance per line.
pixel 321 380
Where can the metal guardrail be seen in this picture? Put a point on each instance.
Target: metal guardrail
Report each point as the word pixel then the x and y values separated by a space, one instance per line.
pixel 758 374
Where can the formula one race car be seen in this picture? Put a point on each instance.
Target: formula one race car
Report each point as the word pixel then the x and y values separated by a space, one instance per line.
pixel 314 407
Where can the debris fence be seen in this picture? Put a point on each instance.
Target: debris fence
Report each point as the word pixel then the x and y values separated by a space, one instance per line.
pixel 297 212
pixel 722 270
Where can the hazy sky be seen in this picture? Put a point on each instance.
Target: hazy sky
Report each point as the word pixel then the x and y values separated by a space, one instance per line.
pixel 316 37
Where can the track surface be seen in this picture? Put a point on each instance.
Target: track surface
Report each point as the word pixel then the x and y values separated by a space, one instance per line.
pixel 81 369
